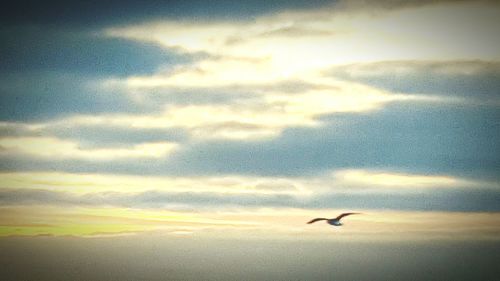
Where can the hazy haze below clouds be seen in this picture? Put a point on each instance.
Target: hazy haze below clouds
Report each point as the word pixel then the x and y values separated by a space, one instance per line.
pixel 166 258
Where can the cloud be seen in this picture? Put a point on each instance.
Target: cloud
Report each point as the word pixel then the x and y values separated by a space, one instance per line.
pixel 267 54
pixel 43 96
pixel 468 82
pixel 258 115
pixel 440 200
pixel 53 71
pixel 442 139
pixel 270 53
pixel 117 137
pixel 410 138
pixel 148 199
pixel 84 183
pixel 256 66
pixel 38 48
pixel 346 189
pixel 398 34
pixel 398 180
pixel 53 148
pixel 265 114
pixel 77 14
pixel 270 96
pixel 255 121
pixel 341 181
pixel 377 6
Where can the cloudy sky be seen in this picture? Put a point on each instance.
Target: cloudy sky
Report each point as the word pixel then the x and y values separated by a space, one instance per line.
pixel 193 140
pixel 227 118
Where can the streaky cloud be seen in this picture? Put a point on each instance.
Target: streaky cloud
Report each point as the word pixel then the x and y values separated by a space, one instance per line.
pixel 440 200
pixel 53 148
pixel 476 82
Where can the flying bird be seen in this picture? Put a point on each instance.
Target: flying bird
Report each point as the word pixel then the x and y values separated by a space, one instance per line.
pixel 334 221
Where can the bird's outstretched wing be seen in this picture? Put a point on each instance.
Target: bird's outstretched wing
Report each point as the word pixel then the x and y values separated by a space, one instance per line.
pixel 317 219
pixel 345 215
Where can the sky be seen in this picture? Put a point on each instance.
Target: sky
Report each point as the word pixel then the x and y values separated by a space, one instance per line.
pixel 242 120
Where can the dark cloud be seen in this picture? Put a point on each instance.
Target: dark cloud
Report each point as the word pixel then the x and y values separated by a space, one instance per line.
pixel 35 48
pixel 47 95
pixel 47 72
pixel 99 13
pixel 91 14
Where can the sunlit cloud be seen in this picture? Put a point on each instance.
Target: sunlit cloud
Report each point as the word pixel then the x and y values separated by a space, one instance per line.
pixel 335 180
pixel 87 183
pixel 297 46
pixel 401 68
pixel 325 39
pixel 382 179
pixel 264 115
pixel 53 148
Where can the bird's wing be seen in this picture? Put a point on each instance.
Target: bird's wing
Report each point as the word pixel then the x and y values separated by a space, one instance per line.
pixel 317 219
pixel 345 214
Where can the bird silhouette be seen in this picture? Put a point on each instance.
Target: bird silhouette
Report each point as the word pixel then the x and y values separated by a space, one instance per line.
pixel 334 221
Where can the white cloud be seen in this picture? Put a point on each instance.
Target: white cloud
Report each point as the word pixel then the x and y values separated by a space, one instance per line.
pixel 446 31
pixel 261 114
pixel 401 68
pixel 265 114
pixel 386 179
pixel 298 46
pixel 53 148
pixel 338 181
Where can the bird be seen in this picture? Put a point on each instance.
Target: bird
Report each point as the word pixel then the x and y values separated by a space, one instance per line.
pixel 334 221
